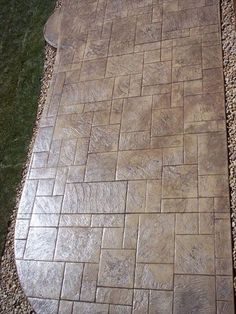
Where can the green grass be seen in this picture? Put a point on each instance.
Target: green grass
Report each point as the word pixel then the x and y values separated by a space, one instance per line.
pixel 21 65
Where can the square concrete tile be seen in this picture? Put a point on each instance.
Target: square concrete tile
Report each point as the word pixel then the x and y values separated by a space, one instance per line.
pixel 101 167
pixel 198 293
pixel 157 73
pixel 194 254
pixel 180 181
pixel 117 268
pixel 167 122
pixel 40 244
pixel 104 138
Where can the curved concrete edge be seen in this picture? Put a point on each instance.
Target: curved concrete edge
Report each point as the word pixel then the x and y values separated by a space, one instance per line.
pixel 51 29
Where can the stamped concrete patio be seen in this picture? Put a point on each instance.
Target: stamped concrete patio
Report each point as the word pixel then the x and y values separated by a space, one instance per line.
pixel 126 203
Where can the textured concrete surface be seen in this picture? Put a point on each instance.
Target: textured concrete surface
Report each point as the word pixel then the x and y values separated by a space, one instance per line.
pixel 126 204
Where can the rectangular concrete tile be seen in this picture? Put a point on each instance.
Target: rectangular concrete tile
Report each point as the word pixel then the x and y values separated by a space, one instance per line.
pixel 22 228
pixel 190 18
pixel 139 164
pixel 121 88
pixel 159 228
pixel 116 268
pixel 72 281
pixel 95 198
pixel 44 305
pixel 154 276
pixel 19 248
pixel 224 307
pixel 179 181
pixel 43 139
pixel 27 197
pixel 134 140
pixel 212 154
pixel 194 254
pixel 167 141
pixel 95 308
pixel 160 302
pixel 222 239
pixel 136 114
pixel 187 55
pixel 122 42
pixel 131 231
pixel 135 85
pixel 140 301
pixel 108 221
pixel 72 126
pixel 116 309
pixel 177 95
pixel 74 220
pixel 67 152
pixel 114 296
pixel 65 307
pixel 179 205
pixel 190 149
pixel 186 73
pixel 88 91
pixel 41 279
pixel 124 65
pixel 213 185
pixel 212 57
pixel 89 282
pixel 221 204
pixel 204 107
pixel 224 288
pixel 153 196
pixel 210 85
pixel 136 196
pixel 47 205
pixel 116 111
pixel 206 223
pixel 78 245
pixel 198 293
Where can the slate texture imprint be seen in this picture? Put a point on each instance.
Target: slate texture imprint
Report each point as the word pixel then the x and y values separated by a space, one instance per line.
pixel 126 204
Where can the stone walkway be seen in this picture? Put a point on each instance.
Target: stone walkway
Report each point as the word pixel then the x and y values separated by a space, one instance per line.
pixel 126 204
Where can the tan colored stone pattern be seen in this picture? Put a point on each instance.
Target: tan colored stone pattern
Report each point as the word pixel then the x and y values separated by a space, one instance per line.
pixel 126 203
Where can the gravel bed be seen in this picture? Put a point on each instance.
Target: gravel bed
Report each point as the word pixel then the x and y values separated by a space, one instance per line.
pixel 229 60
pixel 12 299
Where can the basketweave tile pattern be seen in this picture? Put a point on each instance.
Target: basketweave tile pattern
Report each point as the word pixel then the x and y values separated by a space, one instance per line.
pixel 126 204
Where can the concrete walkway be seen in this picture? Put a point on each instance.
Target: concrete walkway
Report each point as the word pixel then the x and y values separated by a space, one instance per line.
pixel 126 204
